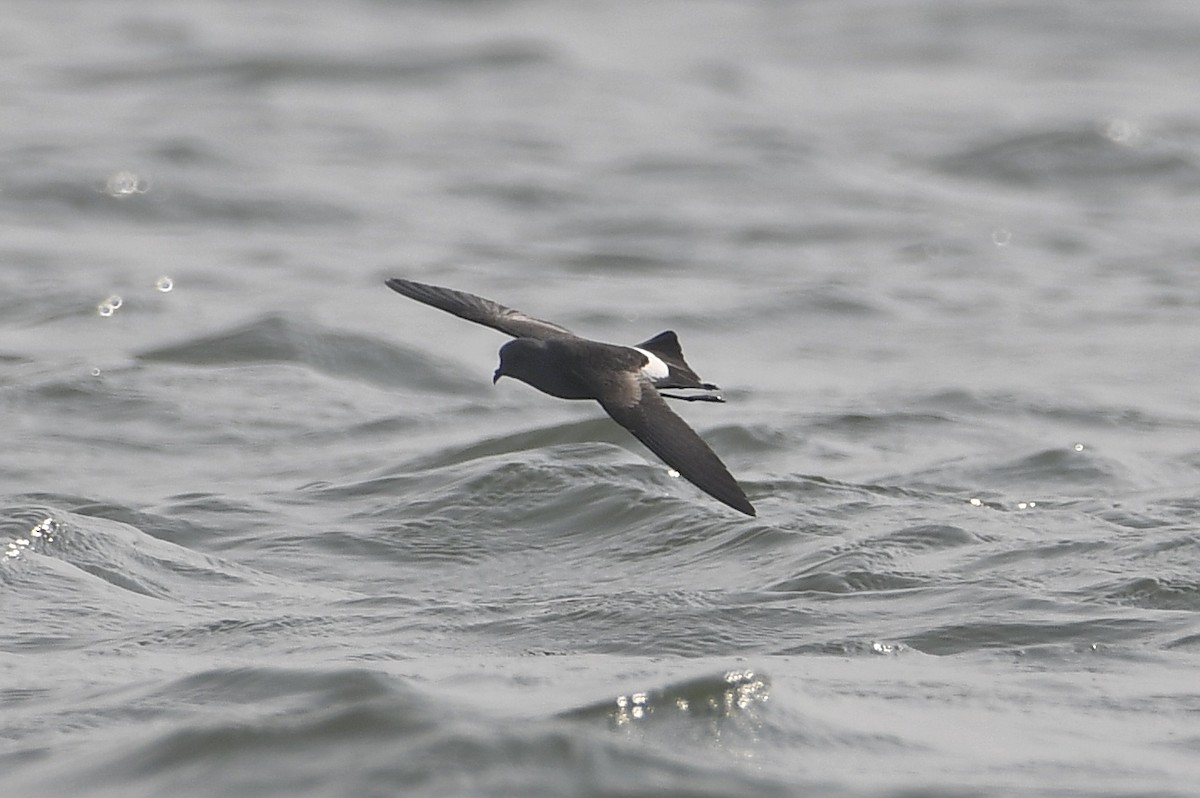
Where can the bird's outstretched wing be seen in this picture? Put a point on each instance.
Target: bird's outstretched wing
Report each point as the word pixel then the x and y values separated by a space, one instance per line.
pixel 479 310
pixel 637 407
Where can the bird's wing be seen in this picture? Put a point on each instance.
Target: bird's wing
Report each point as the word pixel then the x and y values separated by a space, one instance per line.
pixel 635 405
pixel 479 310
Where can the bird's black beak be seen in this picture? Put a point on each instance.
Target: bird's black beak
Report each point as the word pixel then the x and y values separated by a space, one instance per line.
pixel 496 377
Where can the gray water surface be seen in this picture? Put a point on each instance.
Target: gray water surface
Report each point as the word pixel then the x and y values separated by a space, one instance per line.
pixel 267 528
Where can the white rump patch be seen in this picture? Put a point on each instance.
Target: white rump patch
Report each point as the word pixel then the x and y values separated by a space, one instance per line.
pixel 655 369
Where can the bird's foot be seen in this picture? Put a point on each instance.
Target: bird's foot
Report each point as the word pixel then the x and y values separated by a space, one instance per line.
pixel 704 397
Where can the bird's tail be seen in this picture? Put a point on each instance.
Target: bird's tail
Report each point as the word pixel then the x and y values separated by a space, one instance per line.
pixel 679 374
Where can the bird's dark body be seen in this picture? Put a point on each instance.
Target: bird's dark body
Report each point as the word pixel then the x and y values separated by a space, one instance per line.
pixel 568 368
pixel 624 380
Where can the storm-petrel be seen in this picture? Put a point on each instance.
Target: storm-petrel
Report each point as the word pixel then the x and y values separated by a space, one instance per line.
pixel 623 379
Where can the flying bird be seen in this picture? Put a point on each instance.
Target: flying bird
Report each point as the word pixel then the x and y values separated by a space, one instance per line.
pixel 625 380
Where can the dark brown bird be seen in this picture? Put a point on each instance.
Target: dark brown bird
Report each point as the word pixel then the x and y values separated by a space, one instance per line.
pixel 623 379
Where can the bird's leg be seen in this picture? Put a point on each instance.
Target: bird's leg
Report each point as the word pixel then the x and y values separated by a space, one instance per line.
pixel 705 397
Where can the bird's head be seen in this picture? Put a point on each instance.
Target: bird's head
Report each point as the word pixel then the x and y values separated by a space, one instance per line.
pixel 516 358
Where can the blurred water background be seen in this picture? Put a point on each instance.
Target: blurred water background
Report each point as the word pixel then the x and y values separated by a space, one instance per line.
pixel 266 528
